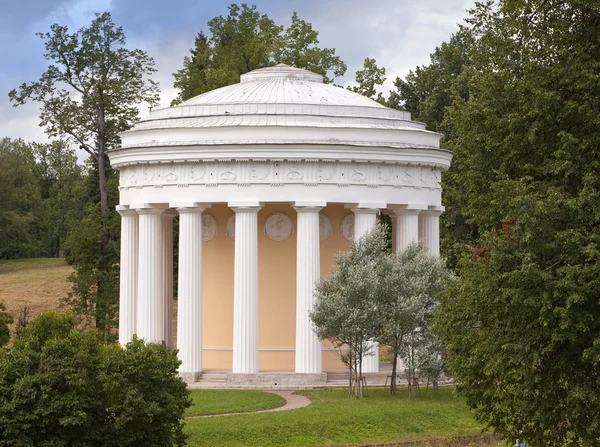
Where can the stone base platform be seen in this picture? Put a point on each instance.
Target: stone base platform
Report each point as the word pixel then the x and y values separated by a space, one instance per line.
pixel 277 380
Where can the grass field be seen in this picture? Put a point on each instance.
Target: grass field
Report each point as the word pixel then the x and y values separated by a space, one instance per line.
pixel 334 419
pixel 37 283
pixel 207 402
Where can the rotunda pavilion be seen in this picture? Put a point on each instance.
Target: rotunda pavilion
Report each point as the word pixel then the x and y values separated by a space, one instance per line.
pixel 270 178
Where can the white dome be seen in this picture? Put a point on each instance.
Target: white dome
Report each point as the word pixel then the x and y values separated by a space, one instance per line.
pixel 283 84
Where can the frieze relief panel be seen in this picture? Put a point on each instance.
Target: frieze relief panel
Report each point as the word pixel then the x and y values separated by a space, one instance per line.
pixel 278 173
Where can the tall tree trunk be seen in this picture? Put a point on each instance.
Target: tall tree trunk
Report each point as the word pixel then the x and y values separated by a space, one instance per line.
pixel 101 305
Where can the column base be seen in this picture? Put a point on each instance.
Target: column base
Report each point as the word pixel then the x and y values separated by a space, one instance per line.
pixel 190 377
pixel 273 379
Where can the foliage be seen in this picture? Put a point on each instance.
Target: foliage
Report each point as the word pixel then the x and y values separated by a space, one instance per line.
pixel 368 78
pixel 5 320
pixel 22 320
pixel 299 49
pixel 521 326
pixel 20 199
pixel 244 41
pixel 426 93
pixel 347 310
pixel 411 282
pixel 61 386
pixel 206 402
pixel 333 419
pixel 89 94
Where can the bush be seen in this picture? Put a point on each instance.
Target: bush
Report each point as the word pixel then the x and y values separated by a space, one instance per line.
pixel 60 386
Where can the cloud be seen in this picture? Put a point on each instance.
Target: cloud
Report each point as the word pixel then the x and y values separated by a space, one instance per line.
pixel 400 34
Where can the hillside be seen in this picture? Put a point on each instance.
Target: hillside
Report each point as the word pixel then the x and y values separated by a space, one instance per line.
pixel 38 283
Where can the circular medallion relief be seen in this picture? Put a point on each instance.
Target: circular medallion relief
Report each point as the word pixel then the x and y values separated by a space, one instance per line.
pixel 347 227
pixel 278 226
pixel 230 227
pixel 324 227
pixel 209 227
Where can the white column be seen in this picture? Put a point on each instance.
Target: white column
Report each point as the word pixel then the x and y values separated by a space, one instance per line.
pixel 429 230
pixel 189 291
pixel 151 291
pixel 364 221
pixel 407 227
pixel 129 275
pixel 167 221
pixel 308 272
pixel 394 220
pixel 245 290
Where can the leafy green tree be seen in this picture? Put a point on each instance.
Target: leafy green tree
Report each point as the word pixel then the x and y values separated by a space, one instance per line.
pixel 299 49
pixel 61 386
pixel 347 309
pixel 244 41
pixel 5 320
pixel 63 199
pixel 89 94
pixel 411 283
pixel 368 79
pixel 521 325
pixel 427 92
pixel 20 201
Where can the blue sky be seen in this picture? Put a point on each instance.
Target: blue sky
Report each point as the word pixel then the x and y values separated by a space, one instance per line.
pixel 400 34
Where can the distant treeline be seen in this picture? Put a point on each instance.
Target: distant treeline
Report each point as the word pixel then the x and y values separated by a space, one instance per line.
pixel 43 196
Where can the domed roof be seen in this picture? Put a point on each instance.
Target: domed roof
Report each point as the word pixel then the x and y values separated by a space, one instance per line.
pixel 279 108
pixel 283 84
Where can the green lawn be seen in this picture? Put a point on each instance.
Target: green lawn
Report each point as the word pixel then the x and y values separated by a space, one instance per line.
pixel 333 419
pixel 226 401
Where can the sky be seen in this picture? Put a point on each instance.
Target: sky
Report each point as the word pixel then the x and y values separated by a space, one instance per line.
pixel 399 34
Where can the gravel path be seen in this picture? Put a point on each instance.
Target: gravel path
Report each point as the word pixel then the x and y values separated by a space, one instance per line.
pixel 292 402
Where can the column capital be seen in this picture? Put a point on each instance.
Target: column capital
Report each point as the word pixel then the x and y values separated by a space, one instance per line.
pixel 190 210
pixel 245 207
pixel 307 209
pixel 365 210
pixel 310 203
pixel 434 211
pixel 155 211
pixel 126 212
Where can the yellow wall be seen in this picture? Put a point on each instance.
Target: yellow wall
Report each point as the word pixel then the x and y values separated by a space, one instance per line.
pixel 276 290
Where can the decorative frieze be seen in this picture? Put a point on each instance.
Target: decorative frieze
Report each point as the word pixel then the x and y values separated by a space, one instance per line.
pixel 278 173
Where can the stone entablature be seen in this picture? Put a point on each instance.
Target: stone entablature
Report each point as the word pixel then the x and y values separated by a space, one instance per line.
pixel 246 173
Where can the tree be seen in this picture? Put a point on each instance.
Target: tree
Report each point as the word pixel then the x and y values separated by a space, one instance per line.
pixel 89 94
pixel 63 200
pixel 347 309
pixel 244 41
pixel 427 93
pixel 61 386
pixel 368 78
pixel 299 49
pixel 20 201
pixel 520 326
pixel 411 283
pixel 5 320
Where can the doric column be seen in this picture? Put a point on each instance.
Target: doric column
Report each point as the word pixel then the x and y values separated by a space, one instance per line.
pixel 245 290
pixel 151 276
pixel 129 275
pixel 364 221
pixel 407 227
pixel 429 230
pixel 308 272
pixel 167 222
pixel 189 291
pixel 394 220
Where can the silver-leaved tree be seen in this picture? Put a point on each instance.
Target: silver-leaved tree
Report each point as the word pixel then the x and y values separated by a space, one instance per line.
pixel 373 294
pixel 347 308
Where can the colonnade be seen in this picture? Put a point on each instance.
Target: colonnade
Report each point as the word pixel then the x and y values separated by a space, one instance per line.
pixel 147 275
